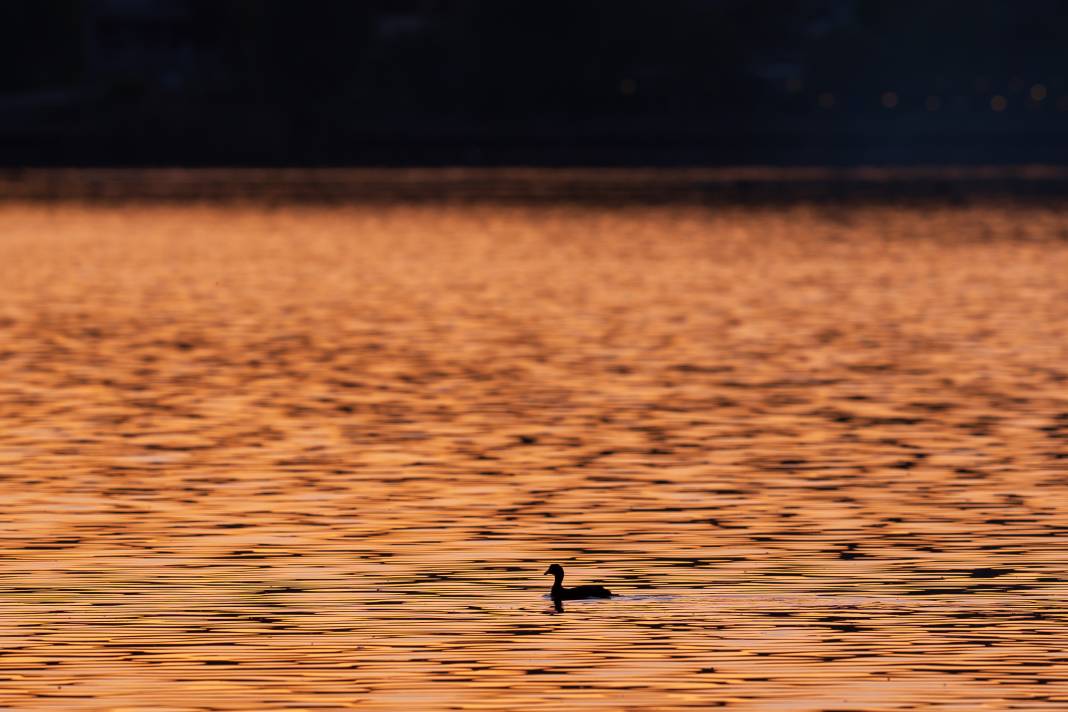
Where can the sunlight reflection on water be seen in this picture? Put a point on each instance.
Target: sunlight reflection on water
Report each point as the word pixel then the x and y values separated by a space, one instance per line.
pixel 319 457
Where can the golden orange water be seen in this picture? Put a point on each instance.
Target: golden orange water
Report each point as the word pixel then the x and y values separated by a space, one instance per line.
pixel 319 457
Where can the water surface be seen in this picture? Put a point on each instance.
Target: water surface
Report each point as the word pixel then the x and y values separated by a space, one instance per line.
pixel 319 457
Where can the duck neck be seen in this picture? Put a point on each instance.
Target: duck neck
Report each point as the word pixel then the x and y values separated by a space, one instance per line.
pixel 559 580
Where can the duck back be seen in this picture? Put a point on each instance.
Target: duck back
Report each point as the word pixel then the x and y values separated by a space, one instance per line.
pixel 585 592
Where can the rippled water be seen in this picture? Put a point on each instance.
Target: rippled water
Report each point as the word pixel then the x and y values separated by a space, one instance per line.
pixel 318 458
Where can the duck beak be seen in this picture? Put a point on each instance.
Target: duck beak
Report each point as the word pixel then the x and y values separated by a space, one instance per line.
pixel 548 571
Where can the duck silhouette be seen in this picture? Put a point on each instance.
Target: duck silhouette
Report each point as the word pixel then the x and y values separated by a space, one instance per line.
pixel 559 593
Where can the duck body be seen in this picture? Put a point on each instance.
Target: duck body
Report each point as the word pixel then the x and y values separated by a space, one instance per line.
pixel 559 592
pixel 576 592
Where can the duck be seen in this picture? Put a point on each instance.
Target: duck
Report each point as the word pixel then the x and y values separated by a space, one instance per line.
pixel 559 593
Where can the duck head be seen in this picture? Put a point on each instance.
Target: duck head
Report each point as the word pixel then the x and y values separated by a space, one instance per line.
pixel 555 570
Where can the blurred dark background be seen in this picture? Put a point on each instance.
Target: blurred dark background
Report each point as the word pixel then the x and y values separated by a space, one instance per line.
pixel 533 82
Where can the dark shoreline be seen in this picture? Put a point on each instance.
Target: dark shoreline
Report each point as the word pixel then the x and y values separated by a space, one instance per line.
pixel 713 186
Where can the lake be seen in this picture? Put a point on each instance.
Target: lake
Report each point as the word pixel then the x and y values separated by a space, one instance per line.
pixel 297 456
